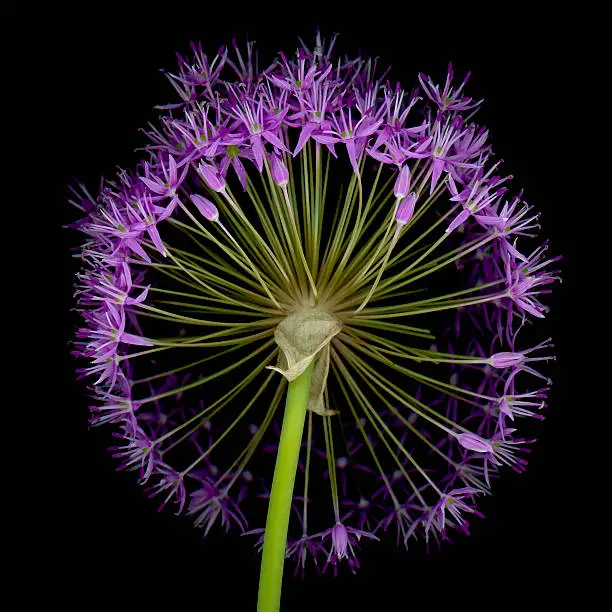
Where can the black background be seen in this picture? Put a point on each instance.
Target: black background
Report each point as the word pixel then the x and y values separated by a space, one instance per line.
pixel 101 540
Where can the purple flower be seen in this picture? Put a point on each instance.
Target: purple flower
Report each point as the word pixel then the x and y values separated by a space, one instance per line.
pixel 447 99
pixel 112 289
pixel 525 278
pixel 400 148
pixel 474 197
pixel 449 509
pixel 315 104
pixel 511 404
pixel 115 407
pixel 165 186
pixel 395 113
pixel 516 360
pixel 188 139
pixel 296 77
pixel 259 129
pixel 138 452
pixel 108 330
pixel 354 136
pixel 197 73
pixel 210 503
pixel 303 548
pixel 171 485
pixel 445 135
pixel 344 544
pixel 418 386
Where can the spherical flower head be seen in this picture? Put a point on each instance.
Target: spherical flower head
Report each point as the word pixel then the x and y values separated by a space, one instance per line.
pixel 310 262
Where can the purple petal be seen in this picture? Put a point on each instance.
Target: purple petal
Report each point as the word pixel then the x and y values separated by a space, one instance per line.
pixel 326 138
pixel 305 133
pixel 135 246
pixel 436 171
pixel 350 147
pixel 258 151
pixel 458 220
pixel 153 186
pixel 274 140
pixel 140 298
pixel 133 339
pixel 240 171
pixel 156 238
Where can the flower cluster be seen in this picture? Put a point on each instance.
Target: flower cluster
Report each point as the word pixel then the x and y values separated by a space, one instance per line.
pixel 238 217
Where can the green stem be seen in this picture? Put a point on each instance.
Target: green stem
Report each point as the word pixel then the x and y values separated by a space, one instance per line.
pixel 279 508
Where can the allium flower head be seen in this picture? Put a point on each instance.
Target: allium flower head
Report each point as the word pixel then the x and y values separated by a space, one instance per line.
pixel 314 230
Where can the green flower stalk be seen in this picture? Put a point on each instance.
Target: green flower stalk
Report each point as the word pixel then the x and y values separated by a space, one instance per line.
pixel 310 231
pixel 281 496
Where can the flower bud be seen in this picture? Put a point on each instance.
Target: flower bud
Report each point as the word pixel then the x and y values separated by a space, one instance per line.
pixel 339 540
pixel 406 209
pixel 206 207
pixel 506 360
pixel 474 443
pixel 402 184
pixel 211 176
pixel 280 174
